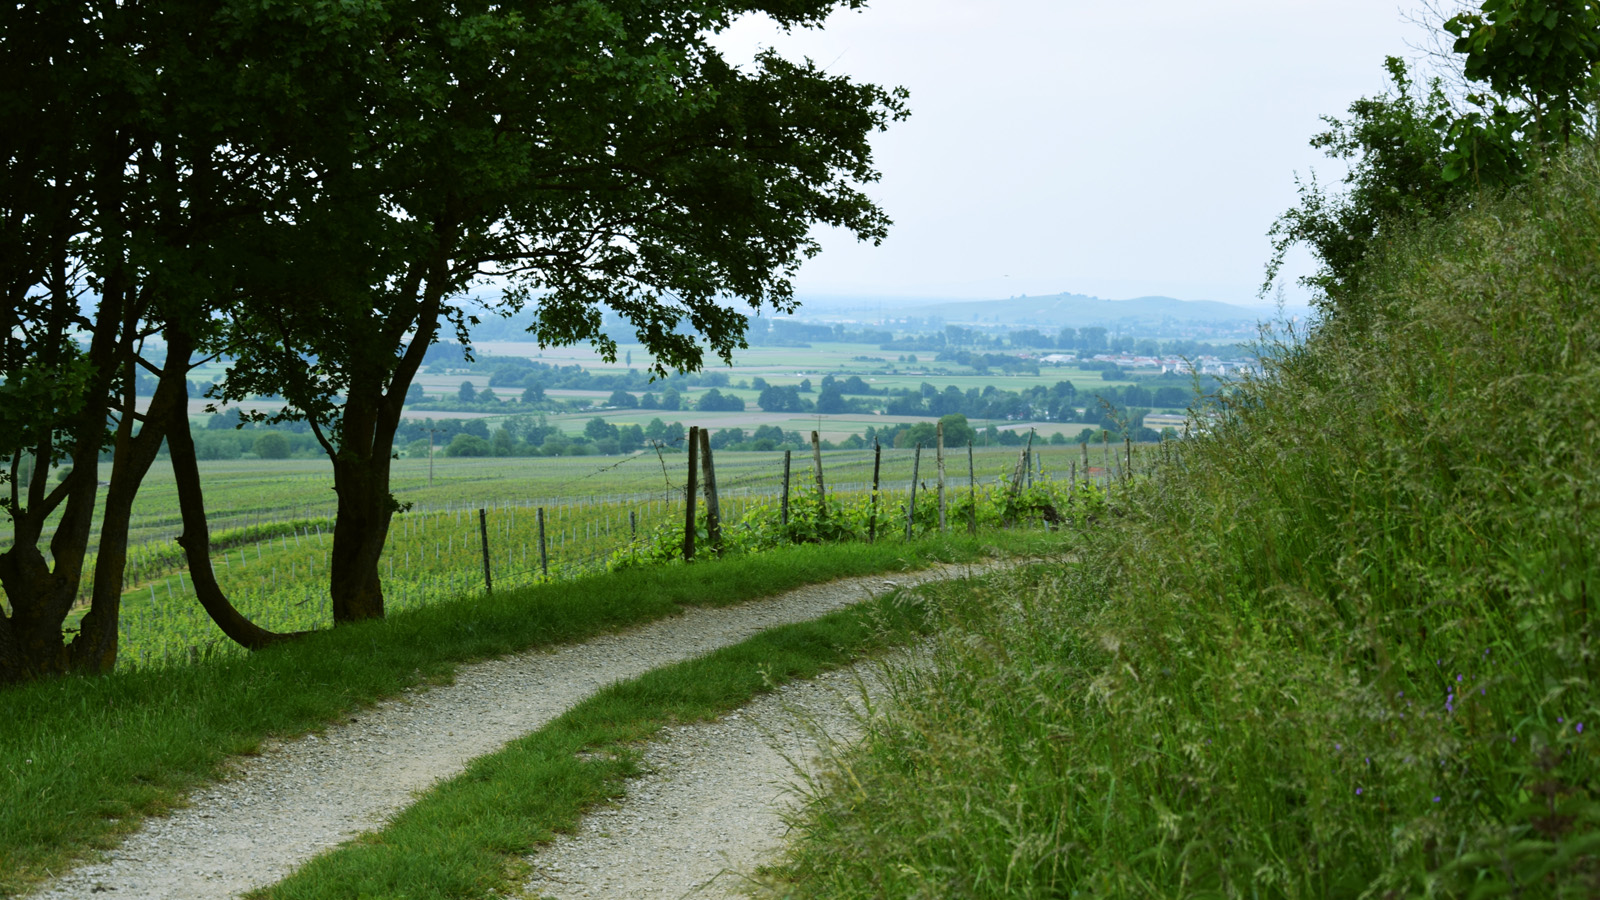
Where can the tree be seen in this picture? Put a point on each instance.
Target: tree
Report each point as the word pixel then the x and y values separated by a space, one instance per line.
pixel 956 430
pixel 598 428
pixel 780 399
pixel 126 171
pixel 831 400
pixel 1541 62
pixel 467 445
pixel 271 445
pixel 622 400
pixel 630 438
pixel 467 393
pixel 1396 157
pixel 716 401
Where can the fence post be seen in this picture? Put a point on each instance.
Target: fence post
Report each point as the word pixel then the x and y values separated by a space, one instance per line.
pixel 1127 471
pixel 972 492
pixel 938 453
pixel 911 507
pixel 544 556
pixel 872 514
pixel 816 462
pixel 633 524
pixel 783 508
pixel 1105 447
pixel 689 491
pixel 483 534
pixel 713 509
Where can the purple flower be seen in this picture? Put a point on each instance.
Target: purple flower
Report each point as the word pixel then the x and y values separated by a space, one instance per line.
pixel 1436 799
pixel 1458 679
pixel 1358 792
pixel 1559 720
pixel 1341 746
pixel 1580 728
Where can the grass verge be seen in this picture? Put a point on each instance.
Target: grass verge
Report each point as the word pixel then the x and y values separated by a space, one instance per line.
pixel 468 837
pixel 83 760
pixel 1343 646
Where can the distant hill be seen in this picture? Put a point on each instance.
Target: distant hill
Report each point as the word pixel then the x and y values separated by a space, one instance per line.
pixel 1055 310
pixel 1078 310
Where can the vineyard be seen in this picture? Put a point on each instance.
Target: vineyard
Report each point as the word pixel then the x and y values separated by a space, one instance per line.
pixel 547 519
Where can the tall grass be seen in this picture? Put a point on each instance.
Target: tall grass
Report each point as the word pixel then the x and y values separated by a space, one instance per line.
pixel 1341 646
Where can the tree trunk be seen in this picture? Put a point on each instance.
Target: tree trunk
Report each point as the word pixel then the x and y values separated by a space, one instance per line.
pixel 41 591
pixel 359 534
pixel 94 650
pixel 361 460
pixel 196 537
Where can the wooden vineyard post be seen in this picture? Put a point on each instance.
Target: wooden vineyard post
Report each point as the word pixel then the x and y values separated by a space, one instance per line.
pixel 1088 479
pixel 1127 470
pixel 783 508
pixel 633 524
pixel 972 492
pixel 1018 473
pixel 911 507
pixel 483 535
pixel 1105 447
pixel 690 490
pixel 872 513
pixel 938 454
pixel 713 509
pixel 544 557
pixel 816 463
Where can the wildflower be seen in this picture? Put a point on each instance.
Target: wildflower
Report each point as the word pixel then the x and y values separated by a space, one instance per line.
pixel 1458 679
pixel 1580 728
pixel 1338 746
pixel 1436 799
pixel 1358 792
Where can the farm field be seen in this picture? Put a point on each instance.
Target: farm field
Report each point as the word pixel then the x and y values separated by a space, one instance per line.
pixel 271 526
pixel 790 365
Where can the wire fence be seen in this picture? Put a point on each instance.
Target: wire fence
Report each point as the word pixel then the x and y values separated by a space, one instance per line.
pixel 533 530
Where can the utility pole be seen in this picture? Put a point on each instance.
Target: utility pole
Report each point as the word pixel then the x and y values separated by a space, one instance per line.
pixel 431 432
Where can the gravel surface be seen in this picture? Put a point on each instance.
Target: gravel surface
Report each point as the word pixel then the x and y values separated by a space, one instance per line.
pixel 710 807
pixel 301 797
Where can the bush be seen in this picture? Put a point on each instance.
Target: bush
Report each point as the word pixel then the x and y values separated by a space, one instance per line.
pixel 271 445
pixel 216 446
pixel 467 445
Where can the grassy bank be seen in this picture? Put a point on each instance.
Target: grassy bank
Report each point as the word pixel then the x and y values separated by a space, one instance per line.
pixel 1341 647
pixel 82 760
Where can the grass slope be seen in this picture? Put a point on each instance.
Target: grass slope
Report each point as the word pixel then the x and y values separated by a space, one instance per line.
pixel 1342 647
pixel 83 759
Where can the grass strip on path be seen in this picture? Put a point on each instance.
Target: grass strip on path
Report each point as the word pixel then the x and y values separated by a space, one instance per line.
pixel 83 760
pixel 469 836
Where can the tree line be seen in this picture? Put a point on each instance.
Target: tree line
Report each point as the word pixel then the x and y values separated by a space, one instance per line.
pixel 308 190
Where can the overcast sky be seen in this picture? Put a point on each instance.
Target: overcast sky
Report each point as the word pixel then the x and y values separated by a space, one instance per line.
pixel 1117 149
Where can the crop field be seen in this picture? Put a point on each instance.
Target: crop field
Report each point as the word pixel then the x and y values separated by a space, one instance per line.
pixel 790 365
pixel 271 525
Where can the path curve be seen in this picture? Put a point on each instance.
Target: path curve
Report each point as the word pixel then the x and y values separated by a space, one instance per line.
pixel 711 804
pixel 302 797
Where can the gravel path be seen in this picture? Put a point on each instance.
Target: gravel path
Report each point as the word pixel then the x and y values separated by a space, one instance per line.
pixel 299 798
pixel 710 807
